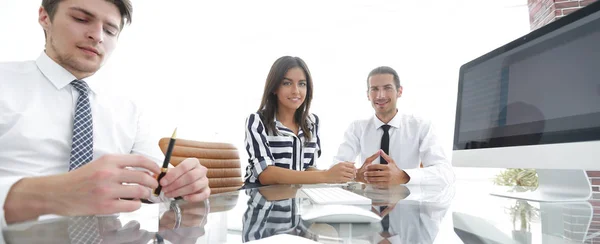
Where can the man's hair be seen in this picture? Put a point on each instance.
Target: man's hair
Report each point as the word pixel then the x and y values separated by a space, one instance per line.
pixel 384 70
pixel 124 6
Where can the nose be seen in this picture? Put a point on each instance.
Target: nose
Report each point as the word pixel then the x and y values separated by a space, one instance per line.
pixel 295 89
pixel 381 93
pixel 96 33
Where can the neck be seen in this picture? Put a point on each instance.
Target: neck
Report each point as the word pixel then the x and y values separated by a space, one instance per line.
pixel 286 116
pixel 387 117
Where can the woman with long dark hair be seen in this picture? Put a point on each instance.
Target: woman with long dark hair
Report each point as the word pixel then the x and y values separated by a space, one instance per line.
pixel 282 137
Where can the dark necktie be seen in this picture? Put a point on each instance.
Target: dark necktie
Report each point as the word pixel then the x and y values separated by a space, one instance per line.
pixel 83 140
pixel 385 221
pixel 385 142
pixel 385 147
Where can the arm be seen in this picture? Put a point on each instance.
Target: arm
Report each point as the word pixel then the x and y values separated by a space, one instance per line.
pixel 95 188
pixel 436 164
pixel 350 147
pixel 317 135
pixel 267 173
pixel 277 175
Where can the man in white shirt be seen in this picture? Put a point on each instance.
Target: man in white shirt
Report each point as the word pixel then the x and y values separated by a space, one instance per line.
pixel 391 144
pixel 66 149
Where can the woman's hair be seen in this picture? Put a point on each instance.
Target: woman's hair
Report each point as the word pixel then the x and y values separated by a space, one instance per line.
pixel 268 105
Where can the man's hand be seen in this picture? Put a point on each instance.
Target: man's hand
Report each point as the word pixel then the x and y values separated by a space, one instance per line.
pixel 340 173
pixel 98 186
pixel 95 188
pixel 188 180
pixel 385 174
pixel 360 176
pixel 129 233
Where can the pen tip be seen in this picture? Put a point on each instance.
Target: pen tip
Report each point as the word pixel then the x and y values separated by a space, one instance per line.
pixel 174 133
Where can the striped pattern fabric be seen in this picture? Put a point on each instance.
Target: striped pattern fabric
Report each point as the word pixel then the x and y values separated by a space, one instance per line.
pixel 84 230
pixel 82 147
pixel 281 148
pixel 265 218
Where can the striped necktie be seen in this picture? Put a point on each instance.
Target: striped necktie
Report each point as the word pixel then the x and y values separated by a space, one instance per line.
pixel 84 230
pixel 83 139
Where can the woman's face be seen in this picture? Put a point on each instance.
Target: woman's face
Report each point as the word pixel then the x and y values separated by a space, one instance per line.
pixel 292 90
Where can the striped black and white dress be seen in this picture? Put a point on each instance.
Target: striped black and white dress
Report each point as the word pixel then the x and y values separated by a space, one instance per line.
pixel 281 148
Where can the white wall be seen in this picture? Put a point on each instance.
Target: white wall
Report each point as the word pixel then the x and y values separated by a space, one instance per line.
pixel 201 65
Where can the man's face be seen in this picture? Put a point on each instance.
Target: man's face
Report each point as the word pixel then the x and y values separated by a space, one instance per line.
pixel 383 94
pixel 82 34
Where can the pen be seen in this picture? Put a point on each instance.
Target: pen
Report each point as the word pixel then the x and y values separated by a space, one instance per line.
pixel 165 166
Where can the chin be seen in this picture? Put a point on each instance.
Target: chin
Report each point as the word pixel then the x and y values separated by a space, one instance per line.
pixel 88 67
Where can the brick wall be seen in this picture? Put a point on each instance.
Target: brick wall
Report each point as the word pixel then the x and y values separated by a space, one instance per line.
pixel 542 12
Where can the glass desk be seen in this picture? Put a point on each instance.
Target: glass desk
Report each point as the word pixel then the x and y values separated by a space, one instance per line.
pixel 460 213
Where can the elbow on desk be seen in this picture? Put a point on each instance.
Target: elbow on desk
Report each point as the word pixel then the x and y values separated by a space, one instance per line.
pixel 267 177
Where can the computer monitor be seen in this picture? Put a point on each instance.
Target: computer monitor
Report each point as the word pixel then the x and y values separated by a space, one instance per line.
pixel 535 103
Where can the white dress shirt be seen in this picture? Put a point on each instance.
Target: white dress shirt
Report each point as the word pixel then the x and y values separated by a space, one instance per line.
pixel 412 141
pixel 418 220
pixel 37 104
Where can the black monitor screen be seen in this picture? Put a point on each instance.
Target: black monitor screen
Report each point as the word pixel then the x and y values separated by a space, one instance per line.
pixel 542 88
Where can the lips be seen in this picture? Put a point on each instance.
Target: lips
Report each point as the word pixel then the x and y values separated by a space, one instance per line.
pixel 295 99
pixel 381 103
pixel 90 49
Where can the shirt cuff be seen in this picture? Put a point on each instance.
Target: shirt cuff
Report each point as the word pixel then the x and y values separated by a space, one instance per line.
pixel 5 185
pixel 416 176
pixel 415 192
pixel 259 167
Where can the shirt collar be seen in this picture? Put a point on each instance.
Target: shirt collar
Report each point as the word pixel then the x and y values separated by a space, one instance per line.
pixel 56 74
pixel 395 122
pixel 282 127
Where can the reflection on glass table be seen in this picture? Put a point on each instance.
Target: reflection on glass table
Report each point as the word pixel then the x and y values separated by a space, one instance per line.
pixel 278 210
pixel 179 222
pixel 561 222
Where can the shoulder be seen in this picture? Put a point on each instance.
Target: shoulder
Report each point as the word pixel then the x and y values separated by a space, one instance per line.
pixel 415 121
pixel 17 67
pixel 313 119
pixel 254 117
pixel 10 71
pixel 362 123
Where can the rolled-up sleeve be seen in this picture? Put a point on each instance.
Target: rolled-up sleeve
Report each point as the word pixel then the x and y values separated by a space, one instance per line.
pixel 317 135
pixel 257 146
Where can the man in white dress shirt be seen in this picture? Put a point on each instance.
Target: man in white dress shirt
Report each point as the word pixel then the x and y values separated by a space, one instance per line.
pixel 408 140
pixel 49 162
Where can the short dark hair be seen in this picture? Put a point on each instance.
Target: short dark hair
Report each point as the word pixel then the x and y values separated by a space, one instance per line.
pixel 384 70
pixel 124 6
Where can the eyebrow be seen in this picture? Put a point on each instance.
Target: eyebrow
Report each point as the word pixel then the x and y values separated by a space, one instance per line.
pixel 285 78
pixel 90 14
pixel 388 85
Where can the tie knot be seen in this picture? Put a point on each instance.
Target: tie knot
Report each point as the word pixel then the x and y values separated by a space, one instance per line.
pixel 81 86
pixel 385 128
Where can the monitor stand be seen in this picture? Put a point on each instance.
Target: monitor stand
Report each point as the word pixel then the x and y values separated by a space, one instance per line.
pixel 556 185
